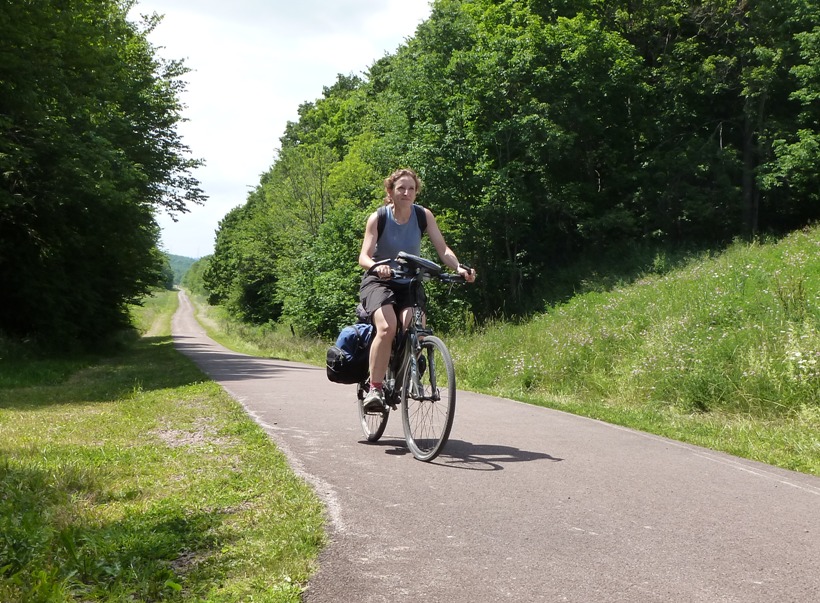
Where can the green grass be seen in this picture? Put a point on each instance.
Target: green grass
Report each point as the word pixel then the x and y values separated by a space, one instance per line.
pixel 722 351
pixel 268 341
pixel 134 478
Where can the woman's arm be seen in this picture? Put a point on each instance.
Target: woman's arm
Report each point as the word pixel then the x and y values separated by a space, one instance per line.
pixel 369 242
pixel 371 235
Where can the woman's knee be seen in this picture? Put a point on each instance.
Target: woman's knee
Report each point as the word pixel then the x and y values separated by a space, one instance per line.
pixel 386 321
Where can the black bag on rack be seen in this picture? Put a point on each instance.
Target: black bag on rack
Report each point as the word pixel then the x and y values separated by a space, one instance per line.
pixel 348 358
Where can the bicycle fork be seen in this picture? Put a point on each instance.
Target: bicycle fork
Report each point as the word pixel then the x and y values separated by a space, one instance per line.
pixel 421 364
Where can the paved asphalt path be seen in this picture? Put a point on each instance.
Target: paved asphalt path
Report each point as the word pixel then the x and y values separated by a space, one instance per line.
pixel 525 504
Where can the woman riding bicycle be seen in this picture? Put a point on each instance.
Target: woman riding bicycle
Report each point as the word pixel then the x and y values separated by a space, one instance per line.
pixel 384 300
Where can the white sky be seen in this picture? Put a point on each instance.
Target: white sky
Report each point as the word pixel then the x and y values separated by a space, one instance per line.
pixel 253 63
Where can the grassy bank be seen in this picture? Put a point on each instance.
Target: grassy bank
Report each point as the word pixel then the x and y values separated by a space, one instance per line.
pixel 723 352
pixel 133 478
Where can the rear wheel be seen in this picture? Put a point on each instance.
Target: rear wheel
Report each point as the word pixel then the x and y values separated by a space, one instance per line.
pixel 428 399
pixel 373 424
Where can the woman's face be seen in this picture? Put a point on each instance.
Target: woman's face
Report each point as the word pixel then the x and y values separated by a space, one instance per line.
pixel 404 189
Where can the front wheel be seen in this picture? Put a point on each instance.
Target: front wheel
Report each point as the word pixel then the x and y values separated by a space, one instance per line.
pixel 428 399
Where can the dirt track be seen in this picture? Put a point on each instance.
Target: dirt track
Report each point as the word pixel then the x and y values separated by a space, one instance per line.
pixel 525 504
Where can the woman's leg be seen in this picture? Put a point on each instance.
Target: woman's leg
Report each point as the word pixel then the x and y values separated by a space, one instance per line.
pixel 406 317
pixel 385 322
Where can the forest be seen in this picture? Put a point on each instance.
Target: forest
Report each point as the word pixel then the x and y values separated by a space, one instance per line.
pixel 89 153
pixel 546 133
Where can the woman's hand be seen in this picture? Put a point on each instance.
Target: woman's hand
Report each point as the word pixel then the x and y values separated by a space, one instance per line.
pixel 467 272
pixel 383 271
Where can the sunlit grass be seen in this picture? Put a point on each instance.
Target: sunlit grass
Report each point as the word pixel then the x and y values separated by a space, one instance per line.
pixel 136 479
pixel 724 353
pixel 153 316
pixel 269 340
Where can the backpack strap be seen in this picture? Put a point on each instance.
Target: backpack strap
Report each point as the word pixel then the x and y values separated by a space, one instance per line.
pixel 381 216
pixel 421 218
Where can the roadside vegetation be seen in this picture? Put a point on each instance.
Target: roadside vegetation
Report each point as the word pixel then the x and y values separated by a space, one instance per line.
pixel 545 133
pixel 134 478
pixel 721 350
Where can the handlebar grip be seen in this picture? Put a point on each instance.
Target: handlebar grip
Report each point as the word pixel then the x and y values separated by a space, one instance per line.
pixel 379 263
pixel 452 278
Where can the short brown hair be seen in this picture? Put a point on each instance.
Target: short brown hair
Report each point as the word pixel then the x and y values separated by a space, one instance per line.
pixel 390 182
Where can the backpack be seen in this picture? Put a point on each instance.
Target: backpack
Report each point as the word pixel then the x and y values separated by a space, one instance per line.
pixel 421 218
pixel 348 358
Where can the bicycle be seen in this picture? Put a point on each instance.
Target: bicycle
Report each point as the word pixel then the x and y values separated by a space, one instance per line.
pixel 421 377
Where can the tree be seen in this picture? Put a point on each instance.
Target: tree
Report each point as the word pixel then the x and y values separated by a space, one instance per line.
pixel 193 279
pixel 723 107
pixel 242 273
pixel 549 131
pixel 299 189
pixel 791 170
pixel 523 132
pixel 88 153
pixel 319 291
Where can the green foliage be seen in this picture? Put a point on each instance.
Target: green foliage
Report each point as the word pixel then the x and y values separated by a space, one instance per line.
pixel 179 266
pixel 546 133
pixel 736 334
pixel 242 272
pixel 166 279
pixel 194 278
pixel 88 153
pixel 320 289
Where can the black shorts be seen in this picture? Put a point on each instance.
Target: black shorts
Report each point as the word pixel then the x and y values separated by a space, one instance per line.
pixel 375 293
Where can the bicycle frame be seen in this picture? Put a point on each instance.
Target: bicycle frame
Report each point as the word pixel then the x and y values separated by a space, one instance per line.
pixel 406 348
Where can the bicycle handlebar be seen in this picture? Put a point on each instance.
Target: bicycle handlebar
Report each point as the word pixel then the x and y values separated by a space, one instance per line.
pixel 416 266
pixel 452 278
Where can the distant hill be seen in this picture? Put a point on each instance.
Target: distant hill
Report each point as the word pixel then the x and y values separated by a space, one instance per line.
pixel 179 266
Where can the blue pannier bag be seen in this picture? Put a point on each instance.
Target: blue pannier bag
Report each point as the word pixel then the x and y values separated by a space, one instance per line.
pixel 348 358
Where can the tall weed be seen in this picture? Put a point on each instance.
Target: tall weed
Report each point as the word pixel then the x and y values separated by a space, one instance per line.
pixel 733 333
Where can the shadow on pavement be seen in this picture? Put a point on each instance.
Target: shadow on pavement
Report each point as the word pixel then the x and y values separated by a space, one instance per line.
pixel 231 366
pixel 458 454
